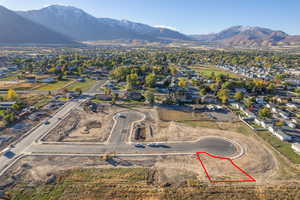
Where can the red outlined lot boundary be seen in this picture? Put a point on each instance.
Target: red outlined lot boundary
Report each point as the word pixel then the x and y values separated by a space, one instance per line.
pixel 251 179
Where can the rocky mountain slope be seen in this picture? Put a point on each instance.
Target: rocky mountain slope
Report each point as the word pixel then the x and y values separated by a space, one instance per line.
pixel 82 26
pixel 18 30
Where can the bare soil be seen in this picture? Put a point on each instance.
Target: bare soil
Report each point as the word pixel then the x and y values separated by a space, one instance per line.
pixel 84 126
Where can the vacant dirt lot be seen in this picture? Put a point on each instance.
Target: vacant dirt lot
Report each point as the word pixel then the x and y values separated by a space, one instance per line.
pixel 257 159
pixel 17 85
pixel 175 125
pixel 84 126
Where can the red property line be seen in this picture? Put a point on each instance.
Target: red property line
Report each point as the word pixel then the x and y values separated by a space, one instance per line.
pixel 251 179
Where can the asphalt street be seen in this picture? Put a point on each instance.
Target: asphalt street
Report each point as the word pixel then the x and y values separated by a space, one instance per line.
pixel 119 137
pixel 118 141
pixel 216 146
pixel 34 135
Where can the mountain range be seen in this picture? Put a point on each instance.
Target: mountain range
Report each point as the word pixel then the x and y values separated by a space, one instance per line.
pixel 58 24
pixel 18 30
pixel 81 26
pixel 249 36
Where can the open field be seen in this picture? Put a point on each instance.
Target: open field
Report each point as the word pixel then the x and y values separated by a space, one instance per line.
pixel 129 178
pixel 207 70
pixel 17 85
pixel 9 78
pixel 84 86
pixel 163 124
pixel 237 127
pixel 176 115
pixel 55 86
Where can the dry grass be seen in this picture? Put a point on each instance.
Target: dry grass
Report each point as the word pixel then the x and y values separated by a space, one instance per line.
pixel 17 85
pixel 175 115
pixel 167 179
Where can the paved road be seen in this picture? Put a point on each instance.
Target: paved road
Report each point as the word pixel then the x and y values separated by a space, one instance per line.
pixel 215 146
pixel 117 142
pixel 121 129
pixel 119 137
pixel 26 143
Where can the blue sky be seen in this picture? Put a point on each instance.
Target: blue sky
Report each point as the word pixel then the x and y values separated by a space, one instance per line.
pixel 187 16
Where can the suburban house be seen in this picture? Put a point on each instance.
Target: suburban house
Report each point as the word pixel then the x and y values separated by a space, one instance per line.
pixel 7 105
pixel 104 97
pixel 211 99
pixel 30 79
pixel 136 96
pixel 290 124
pixel 279 133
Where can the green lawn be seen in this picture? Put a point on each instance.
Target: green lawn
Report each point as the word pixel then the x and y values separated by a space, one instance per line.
pixel 207 70
pixel 9 78
pixel 84 86
pixel 237 127
pixel 283 147
pixel 44 101
pixel 55 86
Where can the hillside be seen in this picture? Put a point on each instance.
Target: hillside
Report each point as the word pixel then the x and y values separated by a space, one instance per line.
pixel 18 30
pixel 249 36
pixel 82 26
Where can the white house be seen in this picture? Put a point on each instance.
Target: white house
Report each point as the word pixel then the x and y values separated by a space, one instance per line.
pixel 291 124
pixel 280 134
pixel 296 147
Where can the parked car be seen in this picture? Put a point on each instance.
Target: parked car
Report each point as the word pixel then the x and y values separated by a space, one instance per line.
pixel 121 116
pixel 153 145
pixel 46 122
pixel 139 146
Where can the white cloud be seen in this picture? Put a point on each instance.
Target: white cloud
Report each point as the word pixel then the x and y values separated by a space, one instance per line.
pixel 168 27
pixel 58 4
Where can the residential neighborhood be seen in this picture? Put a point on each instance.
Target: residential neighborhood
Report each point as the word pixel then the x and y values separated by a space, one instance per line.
pixel 137 101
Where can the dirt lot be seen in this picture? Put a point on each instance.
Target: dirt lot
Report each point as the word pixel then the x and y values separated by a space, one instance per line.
pixel 186 113
pixel 17 85
pixel 162 177
pixel 81 125
pixel 128 178
pixel 86 126
pixel 258 160
pixel 174 125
